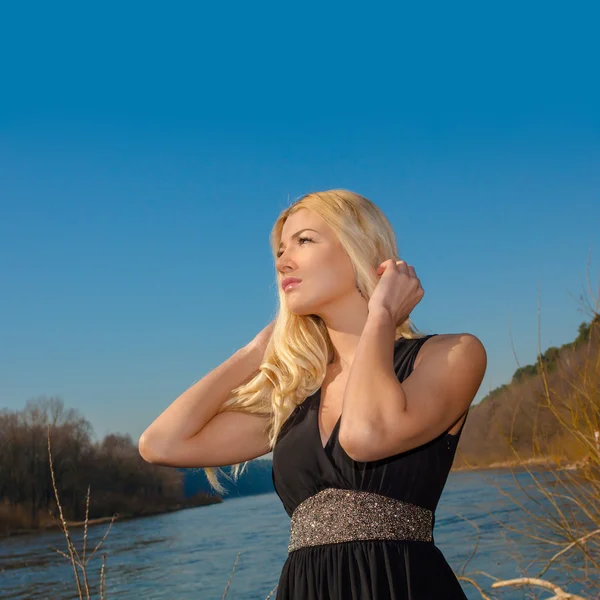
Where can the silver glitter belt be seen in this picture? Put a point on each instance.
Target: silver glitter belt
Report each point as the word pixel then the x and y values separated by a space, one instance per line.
pixel 335 515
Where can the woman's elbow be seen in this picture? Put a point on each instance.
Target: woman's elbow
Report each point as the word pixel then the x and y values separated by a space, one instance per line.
pixel 149 449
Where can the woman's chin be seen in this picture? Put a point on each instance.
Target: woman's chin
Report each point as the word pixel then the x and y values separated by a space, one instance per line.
pixel 300 309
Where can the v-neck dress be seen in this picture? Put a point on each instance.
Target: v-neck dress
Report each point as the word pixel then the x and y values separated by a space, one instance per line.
pixel 363 569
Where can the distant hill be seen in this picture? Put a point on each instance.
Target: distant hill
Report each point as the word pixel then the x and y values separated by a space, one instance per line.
pixel 256 479
pixel 516 415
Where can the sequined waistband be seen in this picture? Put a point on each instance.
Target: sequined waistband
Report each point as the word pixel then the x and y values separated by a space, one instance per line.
pixel 335 515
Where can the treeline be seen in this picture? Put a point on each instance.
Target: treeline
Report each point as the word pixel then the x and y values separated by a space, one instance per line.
pixel 120 480
pixel 534 415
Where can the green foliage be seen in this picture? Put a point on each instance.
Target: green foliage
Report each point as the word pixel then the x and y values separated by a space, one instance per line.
pixel 549 358
pixel 523 373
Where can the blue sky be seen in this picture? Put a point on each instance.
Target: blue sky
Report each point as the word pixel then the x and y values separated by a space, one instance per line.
pixel 146 150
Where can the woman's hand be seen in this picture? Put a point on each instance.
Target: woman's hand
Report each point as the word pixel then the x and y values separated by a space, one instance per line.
pixel 398 290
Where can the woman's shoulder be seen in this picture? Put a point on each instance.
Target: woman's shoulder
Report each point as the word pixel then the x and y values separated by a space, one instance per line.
pixel 413 349
pixel 435 341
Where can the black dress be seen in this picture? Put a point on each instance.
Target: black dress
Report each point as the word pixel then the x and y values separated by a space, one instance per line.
pixel 376 569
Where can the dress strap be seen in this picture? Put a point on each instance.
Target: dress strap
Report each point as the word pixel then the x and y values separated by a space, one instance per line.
pixel 405 354
pixel 337 515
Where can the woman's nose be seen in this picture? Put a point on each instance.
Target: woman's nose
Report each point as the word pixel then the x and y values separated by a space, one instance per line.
pixel 283 261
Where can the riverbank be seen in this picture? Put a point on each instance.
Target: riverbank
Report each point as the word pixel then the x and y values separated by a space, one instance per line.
pixel 54 525
pixel 538 463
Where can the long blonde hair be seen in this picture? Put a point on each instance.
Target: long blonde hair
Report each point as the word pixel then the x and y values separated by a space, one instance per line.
pixel 297 355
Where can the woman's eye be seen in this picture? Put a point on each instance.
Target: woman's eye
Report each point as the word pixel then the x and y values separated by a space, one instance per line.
pixel 300 239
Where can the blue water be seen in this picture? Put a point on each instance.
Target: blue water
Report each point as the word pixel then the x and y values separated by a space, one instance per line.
pixel 191 553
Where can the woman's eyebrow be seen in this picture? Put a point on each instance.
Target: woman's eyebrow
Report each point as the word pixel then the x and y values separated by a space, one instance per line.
pixel 298 233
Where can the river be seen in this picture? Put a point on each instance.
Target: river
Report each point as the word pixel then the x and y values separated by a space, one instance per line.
pixel 189 554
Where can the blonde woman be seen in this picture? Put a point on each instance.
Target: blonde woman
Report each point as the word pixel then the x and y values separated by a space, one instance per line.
pixel 362 412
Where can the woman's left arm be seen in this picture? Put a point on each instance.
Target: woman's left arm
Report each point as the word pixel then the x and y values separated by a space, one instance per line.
pixel 382 417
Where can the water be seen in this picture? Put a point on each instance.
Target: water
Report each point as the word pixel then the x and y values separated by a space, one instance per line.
pixel 190 554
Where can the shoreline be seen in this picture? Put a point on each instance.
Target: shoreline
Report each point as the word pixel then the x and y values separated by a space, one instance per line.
pixel 56 526
pixel 542 463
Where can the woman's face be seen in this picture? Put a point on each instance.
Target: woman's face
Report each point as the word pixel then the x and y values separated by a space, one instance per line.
pixel 310 251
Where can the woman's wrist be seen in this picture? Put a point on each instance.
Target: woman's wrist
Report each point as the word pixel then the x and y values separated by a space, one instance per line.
pixel 380 317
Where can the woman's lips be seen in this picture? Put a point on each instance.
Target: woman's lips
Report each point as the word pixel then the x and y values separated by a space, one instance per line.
pixel 291 285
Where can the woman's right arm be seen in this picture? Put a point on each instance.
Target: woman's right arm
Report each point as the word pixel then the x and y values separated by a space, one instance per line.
pixel 190 433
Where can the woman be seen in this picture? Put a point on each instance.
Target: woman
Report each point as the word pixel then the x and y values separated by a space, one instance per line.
pixel 362 412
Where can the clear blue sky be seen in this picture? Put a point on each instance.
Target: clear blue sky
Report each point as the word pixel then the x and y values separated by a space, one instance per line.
pixel 146 150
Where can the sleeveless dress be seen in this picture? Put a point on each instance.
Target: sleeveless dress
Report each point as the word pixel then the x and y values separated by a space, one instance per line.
pixel 363 569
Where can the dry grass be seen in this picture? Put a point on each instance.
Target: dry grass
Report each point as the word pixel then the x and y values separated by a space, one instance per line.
pixel 79 561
